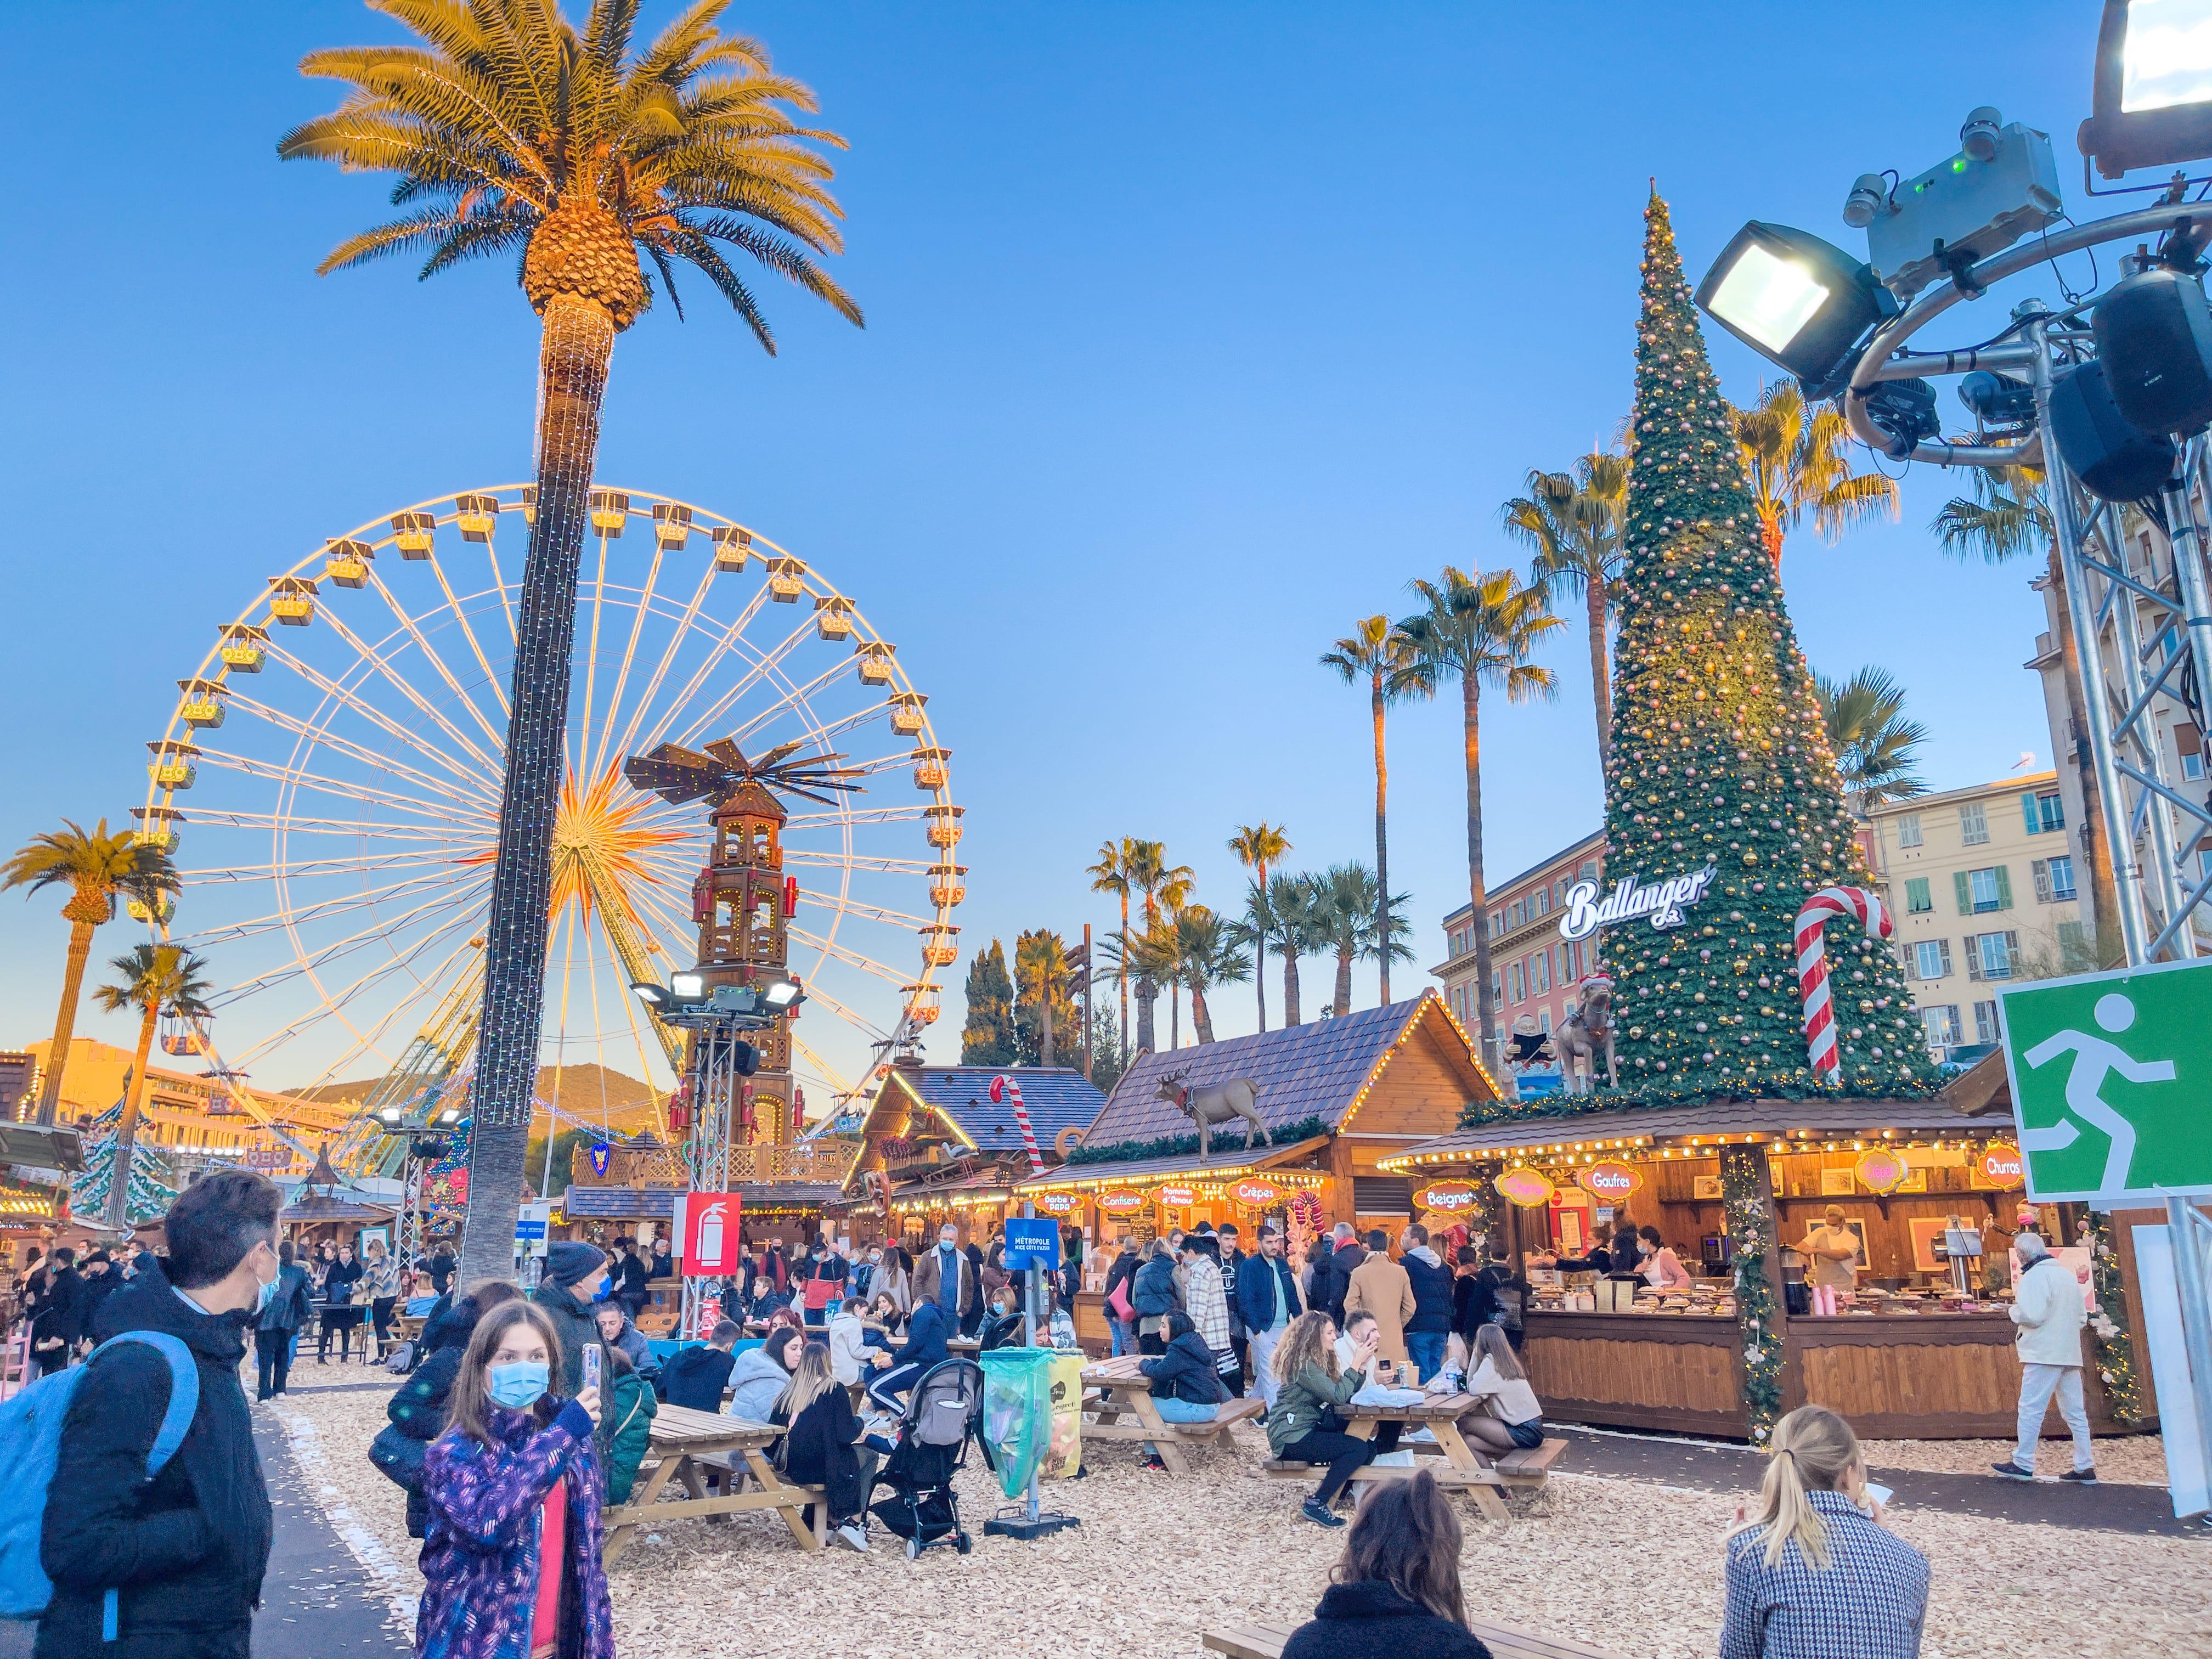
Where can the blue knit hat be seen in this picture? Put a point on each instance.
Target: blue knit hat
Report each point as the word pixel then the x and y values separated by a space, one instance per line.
pixel 572 1260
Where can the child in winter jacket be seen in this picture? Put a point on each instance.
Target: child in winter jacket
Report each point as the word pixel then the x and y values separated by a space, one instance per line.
pixel 634 1406
pixel 511 1566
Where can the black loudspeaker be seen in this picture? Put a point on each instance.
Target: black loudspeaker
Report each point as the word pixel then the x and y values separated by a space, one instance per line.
pixel 2155 337
pixel 2115 460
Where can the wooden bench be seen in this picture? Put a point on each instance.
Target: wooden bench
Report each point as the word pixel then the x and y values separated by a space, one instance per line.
pixel 1259 1641
pixel 686 1448
pixel 1118 1405
pixel 1519 1471
pixel 727 1473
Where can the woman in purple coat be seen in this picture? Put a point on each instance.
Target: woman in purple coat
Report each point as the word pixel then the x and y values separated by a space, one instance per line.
pixel 511 1559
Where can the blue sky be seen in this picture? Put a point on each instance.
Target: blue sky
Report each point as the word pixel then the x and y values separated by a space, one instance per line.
pixel 1194 331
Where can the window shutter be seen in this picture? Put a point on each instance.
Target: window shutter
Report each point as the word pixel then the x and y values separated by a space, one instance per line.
pixel 1974 956
pixel 1943 950
pixel 1908 959
pixel 2012 946
pixel 2004 888
pixel 1965 892
pixel 2028 810
pixel 2040 871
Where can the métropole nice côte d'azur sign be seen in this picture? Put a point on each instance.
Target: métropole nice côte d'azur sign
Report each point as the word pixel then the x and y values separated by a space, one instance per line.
pixel 1662 900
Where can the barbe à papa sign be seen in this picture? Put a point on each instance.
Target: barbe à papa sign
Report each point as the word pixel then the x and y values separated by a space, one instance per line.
pixel 1663 902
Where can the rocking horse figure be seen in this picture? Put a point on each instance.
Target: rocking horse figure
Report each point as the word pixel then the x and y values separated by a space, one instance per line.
pixel 1583 1032
pixel 1238 1097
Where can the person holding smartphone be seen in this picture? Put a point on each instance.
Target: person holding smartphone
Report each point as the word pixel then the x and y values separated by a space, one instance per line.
pixel 511 1558
pixel 1304 1426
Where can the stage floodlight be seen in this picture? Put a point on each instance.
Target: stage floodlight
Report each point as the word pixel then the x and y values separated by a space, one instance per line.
pixel 2151 91
pixel 450 1116
pixel 1904 411
pixel 781 995
pixel 390 1117
pixel 687 986
pixel 652 995
pixel 1798 301
pixel 1998 400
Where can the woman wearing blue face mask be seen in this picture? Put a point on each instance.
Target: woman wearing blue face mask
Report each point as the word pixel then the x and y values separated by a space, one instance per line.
pixel 511 1557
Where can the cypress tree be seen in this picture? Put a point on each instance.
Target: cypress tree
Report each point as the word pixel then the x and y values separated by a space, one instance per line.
pixel 987 1038
pixel 1721 757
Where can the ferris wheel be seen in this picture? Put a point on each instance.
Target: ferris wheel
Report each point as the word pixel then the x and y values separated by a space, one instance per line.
pixel 330 783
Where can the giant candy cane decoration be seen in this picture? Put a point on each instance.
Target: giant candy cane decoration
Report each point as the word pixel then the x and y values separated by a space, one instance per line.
pixel 1004 1088
pixel 1812 967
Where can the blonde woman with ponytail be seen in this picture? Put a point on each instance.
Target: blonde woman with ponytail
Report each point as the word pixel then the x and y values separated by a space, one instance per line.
pixel 1816 1575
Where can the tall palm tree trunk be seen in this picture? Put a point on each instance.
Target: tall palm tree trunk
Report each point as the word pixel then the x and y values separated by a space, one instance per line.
pixel 126 1131
pixel 1343 1004
pixel 1381 839
pixel 577 348
pixel 2104 890
pixel 1175 1015
pixel 1485 1003
pixel 1147 995
pixel 1260 951
pixel 1121 979
pixel 1594 594
pixel 80 952
pixel 1201 1015
pixel 1290 989
pixel 1044 1027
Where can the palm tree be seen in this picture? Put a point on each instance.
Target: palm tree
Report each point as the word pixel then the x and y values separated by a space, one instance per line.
pixel 1210 952
pixel 1111 874
pixel 1797 461
pixel 513 133
pixel 1575 523
pixel 156 980
pixel 1345 910
pixel 2008 515
pixel 1481 629
pixel 1041 972
pixel 1873 741
pixel 1376 653
pixel 1164 886
pixel 97 868
pixel 1286 917
pixel 1256 846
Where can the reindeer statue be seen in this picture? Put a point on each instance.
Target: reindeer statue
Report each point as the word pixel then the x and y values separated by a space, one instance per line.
pixel 1238 1097
pixel 1582 1034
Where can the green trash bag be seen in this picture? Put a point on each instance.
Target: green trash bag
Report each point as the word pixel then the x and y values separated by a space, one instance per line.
pixel 1032 1414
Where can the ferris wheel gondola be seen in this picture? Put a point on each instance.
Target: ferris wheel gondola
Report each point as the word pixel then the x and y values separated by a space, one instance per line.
pixel 328 783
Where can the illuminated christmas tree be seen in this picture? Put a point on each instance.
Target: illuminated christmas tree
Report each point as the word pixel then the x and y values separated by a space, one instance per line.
pixel 1720 759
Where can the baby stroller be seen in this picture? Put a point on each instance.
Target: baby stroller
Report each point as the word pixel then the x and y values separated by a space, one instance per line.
pixel 943 1412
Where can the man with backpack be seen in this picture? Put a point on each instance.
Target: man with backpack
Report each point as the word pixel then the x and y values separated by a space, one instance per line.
pixel 169 1567
pixel 1497 1296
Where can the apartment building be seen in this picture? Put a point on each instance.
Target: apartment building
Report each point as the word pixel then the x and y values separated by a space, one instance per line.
pixel 1534 971
pixel 1984 887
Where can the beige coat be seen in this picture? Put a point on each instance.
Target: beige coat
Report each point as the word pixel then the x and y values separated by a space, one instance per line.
pixel 1381 1287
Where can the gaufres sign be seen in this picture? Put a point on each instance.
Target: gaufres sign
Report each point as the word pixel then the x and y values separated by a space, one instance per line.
pixel 1663 902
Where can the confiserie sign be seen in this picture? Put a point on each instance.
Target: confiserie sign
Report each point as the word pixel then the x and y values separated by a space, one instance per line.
pixel 1527 1187
pixel 1448 1196
pixel 1611 1179
pixel 1122 1203
pixel 1257 1193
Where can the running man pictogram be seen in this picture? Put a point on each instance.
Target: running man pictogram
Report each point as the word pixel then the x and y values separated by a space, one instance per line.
pixel 2093 1058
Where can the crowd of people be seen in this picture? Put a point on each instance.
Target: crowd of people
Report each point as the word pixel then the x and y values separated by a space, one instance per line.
pixel 511 1439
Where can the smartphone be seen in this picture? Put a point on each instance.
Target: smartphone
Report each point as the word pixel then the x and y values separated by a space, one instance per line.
pixel 591 1366
pixel 1880 1494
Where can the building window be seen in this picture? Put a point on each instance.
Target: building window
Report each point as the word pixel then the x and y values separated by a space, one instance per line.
pixel 1973 825
pixel 1917 901
pixel 1514 982
pixel 1990 955
pixel 1542 973
pixel 1544 1021
pixel 2054 879
pixel 1985 1022
pixel 1543 900
pixel 1589 871
pixel 1943 1025
pixel 2044 813
pixel 1980 892
pixel 2074 955
pixel 1931 959
pixel 1908 830
pixel 2192 764
pixel 1496 988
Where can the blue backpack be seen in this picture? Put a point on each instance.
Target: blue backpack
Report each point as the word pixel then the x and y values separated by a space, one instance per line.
pixel 30 1446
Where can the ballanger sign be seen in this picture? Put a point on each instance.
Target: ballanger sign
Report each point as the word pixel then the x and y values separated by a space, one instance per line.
pixel 2109 1074
pixel 1662 900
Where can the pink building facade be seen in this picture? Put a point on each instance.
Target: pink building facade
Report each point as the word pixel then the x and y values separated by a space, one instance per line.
pixel 1533 972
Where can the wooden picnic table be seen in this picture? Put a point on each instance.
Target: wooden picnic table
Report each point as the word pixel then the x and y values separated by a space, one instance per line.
pixel 1124 1411
pixel 1466 1467
pixel 691 1447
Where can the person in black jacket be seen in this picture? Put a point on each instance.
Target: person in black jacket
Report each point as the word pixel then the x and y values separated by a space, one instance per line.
pixel 339 1314
pixel 277 1326
pixel 629 1276
pixel 55 1326
pixel 823 1446
pixel 417 1410
pixel 1495 1296
pixel 1396 1591
pixel 99 1280
pixel 186 1551
pixel 695 1377
pixel 1332 1280
pixel 1187 1386
pixel 1429 1328
pixel 440 1268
